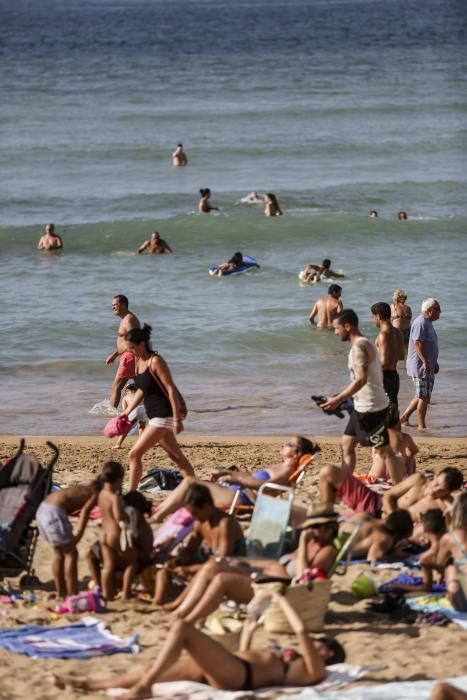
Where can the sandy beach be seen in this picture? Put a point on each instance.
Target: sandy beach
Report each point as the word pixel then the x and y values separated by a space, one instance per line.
pixel 406 652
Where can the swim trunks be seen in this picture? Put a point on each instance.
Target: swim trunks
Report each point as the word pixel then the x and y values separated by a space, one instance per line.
pixel 359 497
pixel 423 386
pixel 53 525
pixel 127 367
pixel 391 384
pixel 369 429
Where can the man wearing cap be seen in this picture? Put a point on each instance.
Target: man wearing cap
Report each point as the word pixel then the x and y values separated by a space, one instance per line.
pixel 422 360
pixel 327 307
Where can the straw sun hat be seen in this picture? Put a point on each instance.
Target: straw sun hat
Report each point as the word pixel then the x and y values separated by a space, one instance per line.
pixel 320 514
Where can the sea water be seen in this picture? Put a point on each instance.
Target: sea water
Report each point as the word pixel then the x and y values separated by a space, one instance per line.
pixel 336 106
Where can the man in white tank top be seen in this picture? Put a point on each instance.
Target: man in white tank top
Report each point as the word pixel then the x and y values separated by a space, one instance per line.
pixel 367 424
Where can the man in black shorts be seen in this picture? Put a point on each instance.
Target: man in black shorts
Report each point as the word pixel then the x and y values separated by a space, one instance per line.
pixel 367 424
pixel 391 348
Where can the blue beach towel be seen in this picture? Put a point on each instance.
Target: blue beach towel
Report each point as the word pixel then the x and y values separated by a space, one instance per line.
pixel 83 640
pixel 409 580
pixel 437 603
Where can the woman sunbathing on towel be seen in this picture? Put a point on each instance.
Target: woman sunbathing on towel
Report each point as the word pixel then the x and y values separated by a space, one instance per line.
pixel 210 662
pixel 223 493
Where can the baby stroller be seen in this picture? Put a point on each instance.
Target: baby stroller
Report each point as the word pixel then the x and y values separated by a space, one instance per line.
pixel 23 485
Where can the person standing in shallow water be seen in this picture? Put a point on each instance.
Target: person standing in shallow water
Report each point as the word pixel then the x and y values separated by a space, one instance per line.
pixel 162 403
pixel 401 314
pixel 50 240
pixel 204 205
pixel 271 205
pixel 390 345
pixel 179 158
pixel 422 360
pixel 126 367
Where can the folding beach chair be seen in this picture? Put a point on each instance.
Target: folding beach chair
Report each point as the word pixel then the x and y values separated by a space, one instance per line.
pixel 344 552
pixel 269 522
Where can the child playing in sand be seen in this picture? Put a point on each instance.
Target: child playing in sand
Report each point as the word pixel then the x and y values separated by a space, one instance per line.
pixel 404 448
pixel 55 527
pixel 117 550
pixel 138 414
pixel 142 540
pixel 453 555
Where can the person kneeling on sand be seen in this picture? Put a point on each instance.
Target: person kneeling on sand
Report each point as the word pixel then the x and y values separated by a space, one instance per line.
pixel 232 579
pixel 417 493
pixel 142 540
pixel 214 533
pixel 210 662
pixel 404 449
pixel 223 495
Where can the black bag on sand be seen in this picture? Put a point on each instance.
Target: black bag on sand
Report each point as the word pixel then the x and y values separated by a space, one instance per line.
pixel 160 479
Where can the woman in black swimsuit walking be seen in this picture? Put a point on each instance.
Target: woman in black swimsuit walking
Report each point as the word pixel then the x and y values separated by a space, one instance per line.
pixel 210 662
pixel 162 403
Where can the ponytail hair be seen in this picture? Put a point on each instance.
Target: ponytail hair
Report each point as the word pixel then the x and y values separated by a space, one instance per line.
pixel 140 335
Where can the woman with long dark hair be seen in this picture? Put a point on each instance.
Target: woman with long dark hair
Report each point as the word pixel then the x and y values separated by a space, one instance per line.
pixel 162 402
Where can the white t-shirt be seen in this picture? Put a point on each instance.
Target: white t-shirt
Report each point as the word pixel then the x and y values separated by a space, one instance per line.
pixel 371 397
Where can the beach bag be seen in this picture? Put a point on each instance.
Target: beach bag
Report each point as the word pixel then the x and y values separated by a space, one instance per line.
pixel 86 601
pixel 310 600
pixel 118 425
pixel 160 479
pixel 180 400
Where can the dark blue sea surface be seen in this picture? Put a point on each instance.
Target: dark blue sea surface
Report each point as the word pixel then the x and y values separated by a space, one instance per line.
pixel 338 107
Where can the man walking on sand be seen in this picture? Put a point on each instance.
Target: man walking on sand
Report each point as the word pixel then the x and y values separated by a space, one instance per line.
pixel 327 307
pixel 126 368
pixel 390 345
pixel 422 360
pixel 367 424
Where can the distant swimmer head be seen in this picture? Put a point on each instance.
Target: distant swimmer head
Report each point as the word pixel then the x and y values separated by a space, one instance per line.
pixel 205 192
pixel 402 216
pixel 155 235
pixel 179 145
pixel 50 228
pixel 373 214
pixel 335 291
pixel 399 296
pixel 326 263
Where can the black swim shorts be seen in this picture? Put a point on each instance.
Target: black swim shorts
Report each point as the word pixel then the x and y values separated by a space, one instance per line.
pixel 391 384
pixel 370 429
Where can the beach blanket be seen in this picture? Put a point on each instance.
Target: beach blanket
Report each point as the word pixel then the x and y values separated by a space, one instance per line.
pixel 337 676
pixel 408 580
pixel 83 640
pixel 437 603
pixel 405 690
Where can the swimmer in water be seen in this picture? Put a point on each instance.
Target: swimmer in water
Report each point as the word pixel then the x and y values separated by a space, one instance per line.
pixel 204 205
pixel 50 240
pixel 179 158
pixel 235 262
pixel 271 205
pixel 402 216
pixel 155 245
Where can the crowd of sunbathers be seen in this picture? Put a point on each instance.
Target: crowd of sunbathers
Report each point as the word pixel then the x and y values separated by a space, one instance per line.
pixel 193 577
